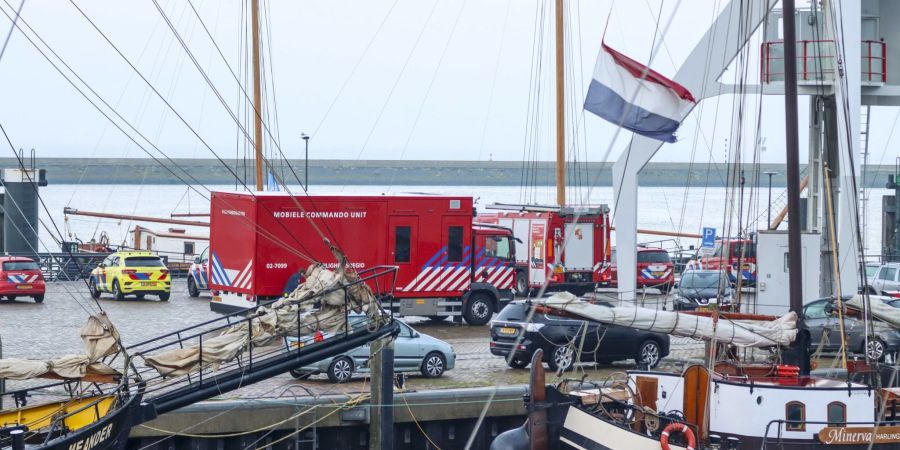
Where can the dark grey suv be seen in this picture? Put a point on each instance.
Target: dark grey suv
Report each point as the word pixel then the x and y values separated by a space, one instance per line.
pixel 820 320
pixel 511 332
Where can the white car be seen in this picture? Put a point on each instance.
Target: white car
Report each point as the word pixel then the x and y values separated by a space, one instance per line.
pixel 198 275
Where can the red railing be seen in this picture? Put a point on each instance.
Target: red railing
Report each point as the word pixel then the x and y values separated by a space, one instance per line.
pixel 812 65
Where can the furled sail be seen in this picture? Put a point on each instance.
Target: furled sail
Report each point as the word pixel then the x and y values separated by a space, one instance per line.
pixel 880 310
pixel 742 333
pixel 100 339
pixel 294 315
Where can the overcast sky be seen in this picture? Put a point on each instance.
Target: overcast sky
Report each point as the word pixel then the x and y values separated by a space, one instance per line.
pixel 375 79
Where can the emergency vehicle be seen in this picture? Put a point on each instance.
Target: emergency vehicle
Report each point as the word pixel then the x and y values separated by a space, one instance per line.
pixel 540 233
pixel 131 272
pixel 729 254
pixel 198 274
pixel 447 265
pixel 655 269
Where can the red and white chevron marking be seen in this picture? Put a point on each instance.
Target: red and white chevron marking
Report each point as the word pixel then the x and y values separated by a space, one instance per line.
pixel 243 280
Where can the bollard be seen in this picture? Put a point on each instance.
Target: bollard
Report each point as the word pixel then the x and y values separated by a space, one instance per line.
pixel 18 439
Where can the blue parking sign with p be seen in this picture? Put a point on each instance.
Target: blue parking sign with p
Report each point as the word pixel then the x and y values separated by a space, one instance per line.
pixel 709 237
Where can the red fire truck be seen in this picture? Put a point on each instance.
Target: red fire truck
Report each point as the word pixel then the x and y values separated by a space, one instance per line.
pixel 731 253
pixel 448 266
pixel 540 233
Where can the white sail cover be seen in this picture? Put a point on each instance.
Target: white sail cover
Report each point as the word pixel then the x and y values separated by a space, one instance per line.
pixel 742 333
pixel 880 310
pixel 100 339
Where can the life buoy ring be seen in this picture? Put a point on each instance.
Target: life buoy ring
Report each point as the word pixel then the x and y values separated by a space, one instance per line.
pixel 675 427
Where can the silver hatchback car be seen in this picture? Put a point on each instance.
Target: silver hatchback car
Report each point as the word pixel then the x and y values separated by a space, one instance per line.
pixel 413 352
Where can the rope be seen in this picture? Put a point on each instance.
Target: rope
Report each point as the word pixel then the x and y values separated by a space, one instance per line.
pixel 416 421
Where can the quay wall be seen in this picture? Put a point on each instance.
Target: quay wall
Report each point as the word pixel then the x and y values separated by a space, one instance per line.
pixel 448 417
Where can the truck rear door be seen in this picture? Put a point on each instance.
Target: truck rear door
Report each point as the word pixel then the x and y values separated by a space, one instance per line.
pixel 537 253
pixel 579 251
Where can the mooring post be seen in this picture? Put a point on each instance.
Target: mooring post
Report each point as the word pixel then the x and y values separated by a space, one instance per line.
pixel 381 421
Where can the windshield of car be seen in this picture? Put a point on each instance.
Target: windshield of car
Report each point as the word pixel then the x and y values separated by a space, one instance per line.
pixel 870 270
pixel 748 249
pixel 20 265
pixel 703 280
pixel 815 310
pixel 513 312
pixel 653 257
pixel 143 261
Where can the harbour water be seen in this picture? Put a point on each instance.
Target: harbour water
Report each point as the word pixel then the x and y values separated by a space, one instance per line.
pixel 660 208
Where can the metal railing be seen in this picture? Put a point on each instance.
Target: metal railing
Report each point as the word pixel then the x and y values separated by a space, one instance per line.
pixel 815 61
pixel 256 363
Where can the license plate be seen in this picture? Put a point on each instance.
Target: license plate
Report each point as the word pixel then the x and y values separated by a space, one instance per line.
pixel 216 298
pixel 703 308
pixel 23 286
pixel 657 274
pixel 148 283
pixel 507 330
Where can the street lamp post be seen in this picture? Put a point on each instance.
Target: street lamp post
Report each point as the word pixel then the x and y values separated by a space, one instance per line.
pixel 306 162
pixel 769 214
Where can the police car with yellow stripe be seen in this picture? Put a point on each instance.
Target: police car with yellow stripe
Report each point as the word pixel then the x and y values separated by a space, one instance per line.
pixel 131 273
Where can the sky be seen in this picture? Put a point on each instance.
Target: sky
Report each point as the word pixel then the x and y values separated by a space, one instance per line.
pixel 375 79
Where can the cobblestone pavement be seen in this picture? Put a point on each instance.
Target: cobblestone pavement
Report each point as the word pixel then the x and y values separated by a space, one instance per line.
pixel 50 329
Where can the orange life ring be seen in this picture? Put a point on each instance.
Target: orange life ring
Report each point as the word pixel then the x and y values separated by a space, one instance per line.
pixel 675 427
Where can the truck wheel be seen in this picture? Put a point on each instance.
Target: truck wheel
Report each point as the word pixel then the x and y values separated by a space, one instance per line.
pixel 117 291
pixel 193 292
pixel 521 284
pixel 479 309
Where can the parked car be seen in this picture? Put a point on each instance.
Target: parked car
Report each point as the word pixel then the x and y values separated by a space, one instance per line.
pixel 413 352
pixel 885 280
pixel 871 270
pixel 654 270
pixel 511 331
pixel 131 272
pixel 198 275
pixel 21 277
pixel 819 319
pixel 727 257
pixel 697 287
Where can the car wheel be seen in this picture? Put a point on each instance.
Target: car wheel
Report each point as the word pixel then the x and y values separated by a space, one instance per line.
pixel 10 297
pixel 521 284
pixel 193 292
pixel 300 375
pixel 116 291
pixel 561 358
pixel 517 363
pixel 92 286
pixel 433 365
pixel 479 309
pixel 164 297
pixel 665 288
pixel 340 370
pixel 139 296
pixel 39 298
pixel 649 353
pixel 875 349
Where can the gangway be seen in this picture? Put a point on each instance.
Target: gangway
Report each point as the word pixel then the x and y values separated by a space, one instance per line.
pixel 143 392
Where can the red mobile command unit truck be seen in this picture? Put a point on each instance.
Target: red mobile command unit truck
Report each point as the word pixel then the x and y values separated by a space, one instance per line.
pixel 448 266
pixel 541 230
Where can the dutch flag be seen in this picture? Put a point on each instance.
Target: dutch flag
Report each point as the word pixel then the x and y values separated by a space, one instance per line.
pixel 629 94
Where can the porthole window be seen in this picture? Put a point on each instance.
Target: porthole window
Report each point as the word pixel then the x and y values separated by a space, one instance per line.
pixel 795 416
pixel 837 414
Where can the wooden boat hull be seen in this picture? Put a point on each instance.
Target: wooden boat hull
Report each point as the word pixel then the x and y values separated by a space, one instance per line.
pixel 110 432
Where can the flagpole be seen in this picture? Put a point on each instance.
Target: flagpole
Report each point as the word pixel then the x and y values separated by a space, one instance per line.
pixel 560 105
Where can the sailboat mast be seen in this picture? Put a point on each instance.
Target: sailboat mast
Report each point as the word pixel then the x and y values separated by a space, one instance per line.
pixel 560 104
pixel 792 148
pixel 257 96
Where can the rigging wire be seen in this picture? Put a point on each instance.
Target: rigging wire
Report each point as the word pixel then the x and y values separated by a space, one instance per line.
pixel 11 28
pixel 355 67
pixel 390 95
pixel 258 229
pixel 428 89
pixel 487 114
